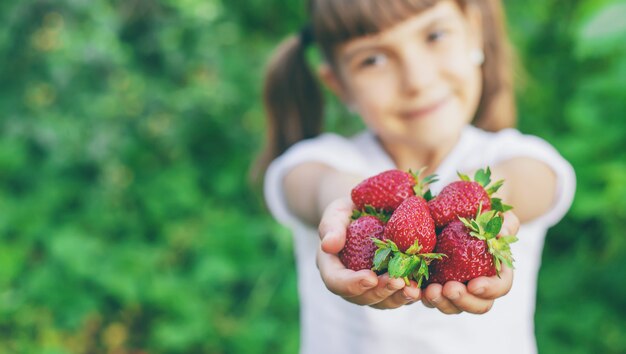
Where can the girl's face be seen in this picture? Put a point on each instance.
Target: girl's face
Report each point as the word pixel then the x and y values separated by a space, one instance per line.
pixel 415 83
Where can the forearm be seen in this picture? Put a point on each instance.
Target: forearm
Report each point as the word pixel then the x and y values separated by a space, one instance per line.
pixel 311 187
pixel 529 186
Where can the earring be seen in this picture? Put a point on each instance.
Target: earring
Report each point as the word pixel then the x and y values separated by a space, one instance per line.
pixel 477 56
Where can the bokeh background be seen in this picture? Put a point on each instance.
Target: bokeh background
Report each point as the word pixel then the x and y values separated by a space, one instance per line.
pixel 127 223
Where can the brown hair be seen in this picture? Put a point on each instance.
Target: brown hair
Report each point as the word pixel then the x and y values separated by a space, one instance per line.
pixel 293 99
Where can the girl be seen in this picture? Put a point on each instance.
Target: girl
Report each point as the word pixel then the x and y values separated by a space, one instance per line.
pixel 432 82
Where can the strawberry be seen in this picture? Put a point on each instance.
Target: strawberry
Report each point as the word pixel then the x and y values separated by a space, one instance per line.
pixel 385 191
pixel 472 249
pixel 411 223
pixel 463 198
pixel 410 237
pixel 358 252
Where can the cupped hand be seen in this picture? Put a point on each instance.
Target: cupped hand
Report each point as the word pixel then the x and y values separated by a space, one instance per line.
pixel 362 287
pixel 479 294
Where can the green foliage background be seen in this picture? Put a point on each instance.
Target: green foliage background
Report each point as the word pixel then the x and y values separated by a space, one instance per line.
pixel 126 221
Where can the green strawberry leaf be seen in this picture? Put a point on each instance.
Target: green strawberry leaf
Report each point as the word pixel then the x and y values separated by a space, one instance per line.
pixel 430 256
pixel 498 265
pixel 494 187
pixel 430 179
pixel 493 227
pixel 469 224
pixel 496 204
pixel 401 265
pixel 370 210
pixel 415 247
pixel 396 265
pixel 420 185
pixel 463 177
pixel 380 214
pixel 393 246
pixel 484 218
pixel 379 243
pixel 483 177
pixel 508 261
pixel 420 273
pixel 509 239
pixel 381 258
pixel 428 195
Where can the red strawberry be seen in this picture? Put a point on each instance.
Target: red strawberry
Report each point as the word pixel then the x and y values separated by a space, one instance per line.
pixel 358 253
pixel 472 249
pixel 411 223
pixel 411 236
pixel 385 191
pixel 463 198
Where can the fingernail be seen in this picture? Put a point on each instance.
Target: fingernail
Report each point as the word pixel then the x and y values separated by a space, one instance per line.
pixel 479 291
pixel 367 284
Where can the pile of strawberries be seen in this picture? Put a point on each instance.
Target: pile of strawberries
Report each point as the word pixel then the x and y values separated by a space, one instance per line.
pixel 401 228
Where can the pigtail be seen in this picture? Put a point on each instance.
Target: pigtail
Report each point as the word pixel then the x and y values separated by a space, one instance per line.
pixel 293 102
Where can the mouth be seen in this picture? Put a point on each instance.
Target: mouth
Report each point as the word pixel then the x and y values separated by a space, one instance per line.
pixel 425 110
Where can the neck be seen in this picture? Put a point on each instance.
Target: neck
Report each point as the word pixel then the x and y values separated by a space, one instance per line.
pixel 415 156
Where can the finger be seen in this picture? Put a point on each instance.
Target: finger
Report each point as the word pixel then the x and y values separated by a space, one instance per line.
pixel 412 292
pixel 333 225
pixel 457 293
pixel 342 281
pixel 492 287
pixel 434 295
pixel 427 302
pixel 386 287
pixel 510 226
pixel 408 295
pixel 432 291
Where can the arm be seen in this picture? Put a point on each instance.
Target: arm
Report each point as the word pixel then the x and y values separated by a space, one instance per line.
pixel 320 194
pixel 310 187
pixel 529 186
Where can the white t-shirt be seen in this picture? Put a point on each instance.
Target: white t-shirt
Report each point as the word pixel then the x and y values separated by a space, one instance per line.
pixel 331 325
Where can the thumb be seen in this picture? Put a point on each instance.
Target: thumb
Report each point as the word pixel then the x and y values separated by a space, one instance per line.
pixel 333 225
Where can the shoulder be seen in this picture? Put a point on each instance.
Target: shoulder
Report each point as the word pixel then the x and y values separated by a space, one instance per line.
pixel 337 151
pixel 509 143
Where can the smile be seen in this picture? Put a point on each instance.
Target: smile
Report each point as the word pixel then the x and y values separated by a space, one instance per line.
pixel 425 110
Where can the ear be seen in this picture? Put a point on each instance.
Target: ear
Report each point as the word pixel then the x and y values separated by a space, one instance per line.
pixel 332 82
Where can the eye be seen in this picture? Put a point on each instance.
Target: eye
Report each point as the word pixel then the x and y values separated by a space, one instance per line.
pixel 375 59
pixel 436 35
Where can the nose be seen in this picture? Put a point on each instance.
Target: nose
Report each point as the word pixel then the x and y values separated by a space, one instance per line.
pixel 418 72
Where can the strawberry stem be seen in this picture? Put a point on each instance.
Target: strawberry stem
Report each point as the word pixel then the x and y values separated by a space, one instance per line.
pixel 420 185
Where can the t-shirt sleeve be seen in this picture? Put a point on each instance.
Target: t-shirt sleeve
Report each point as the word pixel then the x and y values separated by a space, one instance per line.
pixel 510 143
pixel 330 149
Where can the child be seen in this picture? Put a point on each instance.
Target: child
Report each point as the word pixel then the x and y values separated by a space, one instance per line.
pixel 432 82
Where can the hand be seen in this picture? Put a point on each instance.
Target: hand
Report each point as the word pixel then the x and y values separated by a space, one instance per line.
pixel 363 287
pixel 478 296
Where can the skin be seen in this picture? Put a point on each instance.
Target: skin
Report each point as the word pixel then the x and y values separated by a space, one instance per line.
pixel 407 83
